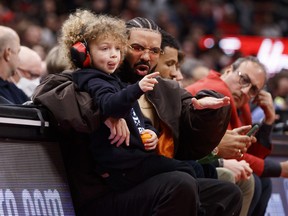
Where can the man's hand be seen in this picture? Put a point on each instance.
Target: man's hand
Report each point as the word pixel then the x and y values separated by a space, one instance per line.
pixel 241 169
pixel 265 101
pixel 118 131
pixel 210 102
pixel 243 130
pixel 234 144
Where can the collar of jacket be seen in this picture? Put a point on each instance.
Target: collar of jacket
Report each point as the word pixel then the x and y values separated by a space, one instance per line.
pixel 166 100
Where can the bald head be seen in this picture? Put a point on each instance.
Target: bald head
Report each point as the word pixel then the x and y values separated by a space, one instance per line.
pixel 30 61
pixel 30 65
pixel 7 36
pixel 9 49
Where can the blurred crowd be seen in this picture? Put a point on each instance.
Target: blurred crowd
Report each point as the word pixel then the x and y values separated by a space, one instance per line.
pixel 38 21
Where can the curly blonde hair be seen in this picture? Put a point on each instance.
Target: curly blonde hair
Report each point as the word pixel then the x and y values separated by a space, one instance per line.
pixel 84 25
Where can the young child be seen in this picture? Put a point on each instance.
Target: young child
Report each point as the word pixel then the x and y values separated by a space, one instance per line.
pixel 103 39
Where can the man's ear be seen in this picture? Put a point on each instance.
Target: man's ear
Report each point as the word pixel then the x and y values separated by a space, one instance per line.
pixel 6 54
pixel 228 69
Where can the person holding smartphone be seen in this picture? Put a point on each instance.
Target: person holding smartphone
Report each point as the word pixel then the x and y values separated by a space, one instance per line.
pixel 243 81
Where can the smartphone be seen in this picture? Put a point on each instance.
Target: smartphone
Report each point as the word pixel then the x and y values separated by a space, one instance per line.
pixel 253 130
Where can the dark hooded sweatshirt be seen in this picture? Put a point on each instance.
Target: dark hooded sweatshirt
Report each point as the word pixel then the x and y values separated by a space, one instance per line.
pixel 114 99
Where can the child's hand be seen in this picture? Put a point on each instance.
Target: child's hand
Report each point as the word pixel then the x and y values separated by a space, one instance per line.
pixel 210 102
pixel 149 139
pixel 147 82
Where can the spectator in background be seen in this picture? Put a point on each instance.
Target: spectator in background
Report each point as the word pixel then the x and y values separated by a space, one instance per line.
pixel 278 87
pixel 31 34
pixel 55 62
pixel 168 62
pixel 192 71
pixel 243 81
pixel 9 61
pixel 6 14
pixel 29 71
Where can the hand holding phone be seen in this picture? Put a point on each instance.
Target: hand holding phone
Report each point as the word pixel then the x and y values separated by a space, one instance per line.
pixel 253 130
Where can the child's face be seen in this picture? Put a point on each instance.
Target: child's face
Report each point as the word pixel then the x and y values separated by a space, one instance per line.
pixel 105 54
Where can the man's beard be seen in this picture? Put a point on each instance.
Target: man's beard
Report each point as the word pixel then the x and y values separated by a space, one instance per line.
pixel 128 75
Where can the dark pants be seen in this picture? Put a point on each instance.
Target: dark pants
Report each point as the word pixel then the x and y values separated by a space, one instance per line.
pixel 124 179
pixel 203 170
pixel 170 194
pixel 262 194
pixel 219 197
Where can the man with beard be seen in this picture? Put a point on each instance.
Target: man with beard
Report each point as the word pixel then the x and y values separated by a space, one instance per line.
pixel 180 121
pixel 173 115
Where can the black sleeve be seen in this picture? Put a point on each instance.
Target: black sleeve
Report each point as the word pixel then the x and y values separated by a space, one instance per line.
pixel 218 163
pixel 111 101
pixel 271 168
pixel 201 130
pixel 263 135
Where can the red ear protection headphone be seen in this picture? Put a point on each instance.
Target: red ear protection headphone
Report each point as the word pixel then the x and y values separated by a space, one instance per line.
pixel 80 55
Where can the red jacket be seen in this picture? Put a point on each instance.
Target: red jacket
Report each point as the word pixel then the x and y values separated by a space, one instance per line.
pixel 257 152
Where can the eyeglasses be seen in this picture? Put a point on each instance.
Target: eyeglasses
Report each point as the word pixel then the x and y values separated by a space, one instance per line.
pixel 245 81
pixel 140 49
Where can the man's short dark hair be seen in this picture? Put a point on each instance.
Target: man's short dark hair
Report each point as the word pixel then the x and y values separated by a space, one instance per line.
pixel 143 24
pixel 168 40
